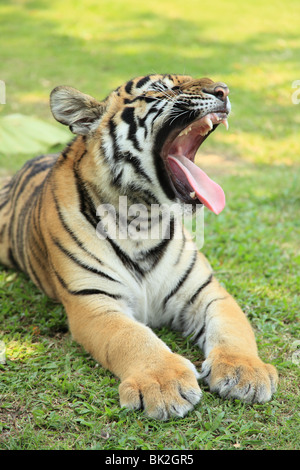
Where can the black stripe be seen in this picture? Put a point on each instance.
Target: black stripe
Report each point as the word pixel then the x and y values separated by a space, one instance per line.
pixel 36 219
pixel 143 81
pixel 199 334
pixel 126 260
pixel 128 116
pixel 3 228
pixel 30 164
pixel 34 169
pixel 181 281
pixel 162 175
pixel 34 203
pixel 117 178
pixel 68 148
pixel 80 263
pixel 127 156
pixel 146 99
pixel 15 183
pixel 4 193
pixel 70 231
pixel 192 300
pixel 181 248
pixel 128 87
pixel 158 251
pixel 7 185
pixel 94 292
pixel 136 164
pixel 214 300
pixel 208 281
pixel 112 127
pixel 34 276
pixel 86 204
pixel 4 203
pixel 142 121
pixel 23 225
pixel 154 254
pixel 147 196
pixel 42 254
pixel 12 260
pixel 202 330
pixel 84 291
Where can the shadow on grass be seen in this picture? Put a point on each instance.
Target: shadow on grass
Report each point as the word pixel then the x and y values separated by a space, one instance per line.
pixel 26 310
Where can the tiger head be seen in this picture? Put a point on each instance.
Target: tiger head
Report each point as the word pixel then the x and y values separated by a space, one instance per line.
pixel 148 132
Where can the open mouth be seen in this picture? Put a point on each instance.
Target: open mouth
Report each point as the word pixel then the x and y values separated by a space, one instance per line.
pixel 190 183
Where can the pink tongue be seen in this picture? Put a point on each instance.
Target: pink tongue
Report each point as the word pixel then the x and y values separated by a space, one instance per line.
pixel 207 191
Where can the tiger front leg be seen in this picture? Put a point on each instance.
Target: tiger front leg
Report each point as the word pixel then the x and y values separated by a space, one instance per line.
pixel 232 366
pixel 153 378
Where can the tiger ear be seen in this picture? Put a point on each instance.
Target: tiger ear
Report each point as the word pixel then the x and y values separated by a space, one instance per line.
pixel 77 110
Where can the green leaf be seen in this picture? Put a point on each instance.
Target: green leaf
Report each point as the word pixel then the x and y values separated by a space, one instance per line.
pixel 21 134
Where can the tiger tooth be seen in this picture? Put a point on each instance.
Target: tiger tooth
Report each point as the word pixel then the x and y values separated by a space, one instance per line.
pixel 193 195
pixel 205 132
pixel 225 122
pixel 185 131
pixel 208 121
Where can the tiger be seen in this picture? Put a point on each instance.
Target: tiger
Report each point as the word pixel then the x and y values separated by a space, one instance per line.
pixel 137 145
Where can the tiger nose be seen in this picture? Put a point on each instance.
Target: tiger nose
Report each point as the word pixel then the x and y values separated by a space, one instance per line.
pixel 221 91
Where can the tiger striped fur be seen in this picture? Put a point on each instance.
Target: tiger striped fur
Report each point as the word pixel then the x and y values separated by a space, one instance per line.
pixel 115 290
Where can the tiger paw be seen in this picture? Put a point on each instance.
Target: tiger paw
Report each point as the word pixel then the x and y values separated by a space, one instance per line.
pixel 169 391
pixel 239 376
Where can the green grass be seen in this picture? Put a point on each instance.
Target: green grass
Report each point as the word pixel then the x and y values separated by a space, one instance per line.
pixel 53 395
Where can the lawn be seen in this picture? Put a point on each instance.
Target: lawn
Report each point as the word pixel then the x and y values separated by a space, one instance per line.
pixel 52 394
